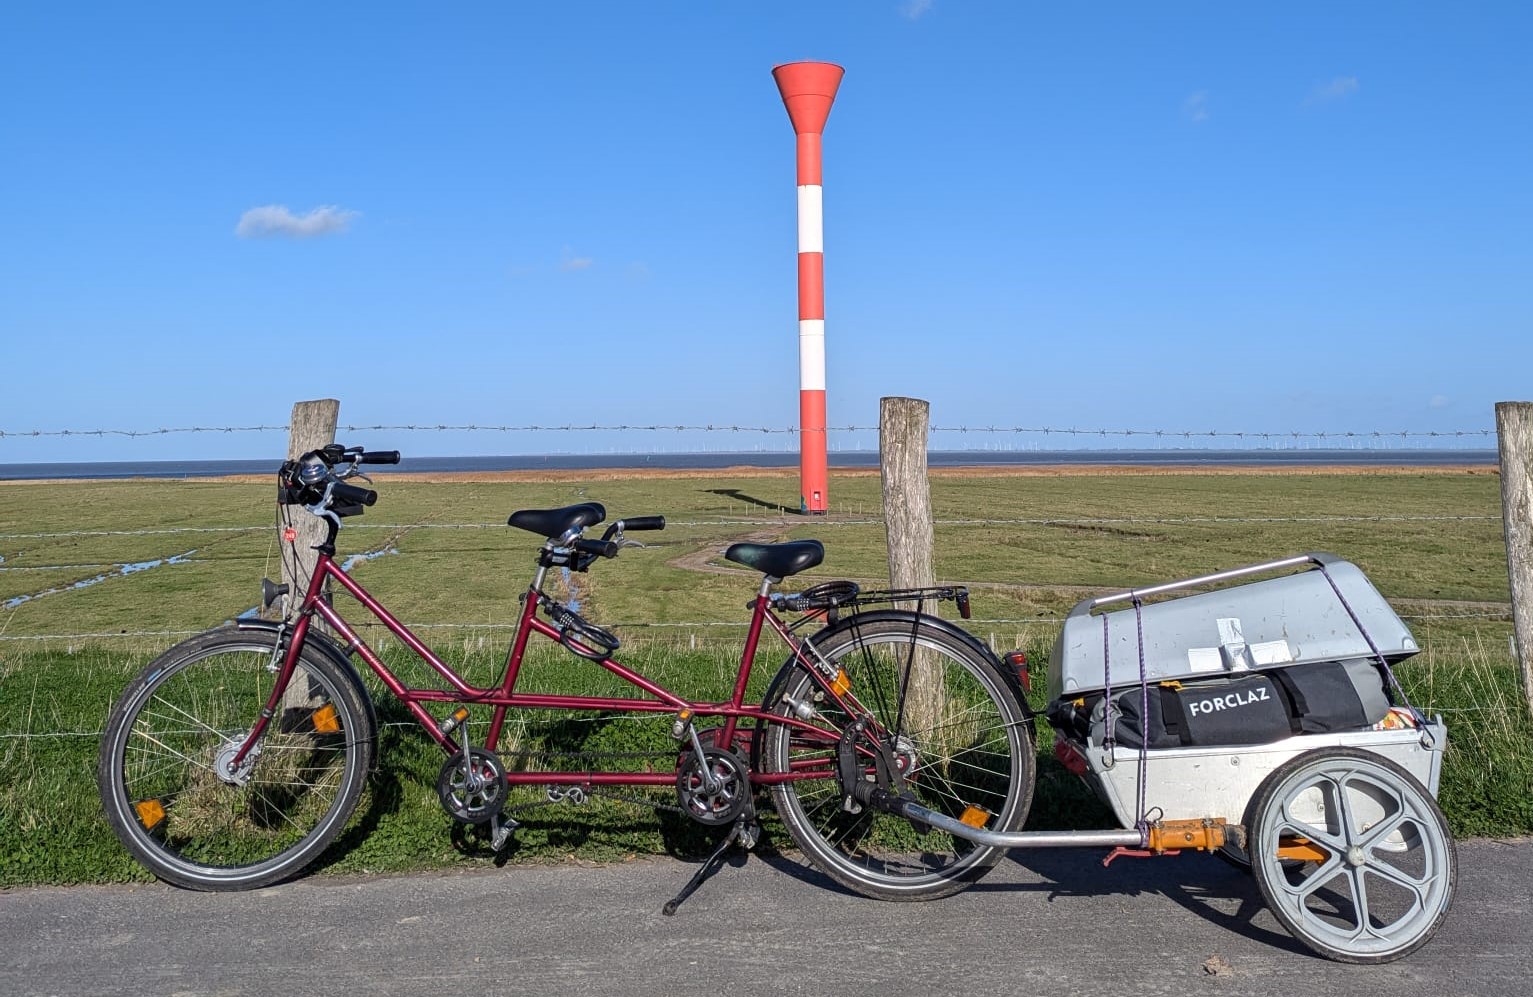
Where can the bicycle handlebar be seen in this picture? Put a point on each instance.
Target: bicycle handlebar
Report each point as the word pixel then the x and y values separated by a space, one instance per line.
pixel 643 523
pixel 352 495
pixel 600 548
pixel 304 481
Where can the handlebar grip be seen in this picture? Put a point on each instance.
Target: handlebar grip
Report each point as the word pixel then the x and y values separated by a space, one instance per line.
pixel 601 548
pixel 378 457
pixel 644 523
pixel 352 495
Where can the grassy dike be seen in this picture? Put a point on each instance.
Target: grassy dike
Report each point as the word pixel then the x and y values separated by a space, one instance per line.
pixel 1029 545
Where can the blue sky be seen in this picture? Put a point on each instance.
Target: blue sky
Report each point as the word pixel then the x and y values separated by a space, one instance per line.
pixel 1298 216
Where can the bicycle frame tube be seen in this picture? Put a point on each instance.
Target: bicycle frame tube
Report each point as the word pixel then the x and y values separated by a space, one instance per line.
pixel 503 697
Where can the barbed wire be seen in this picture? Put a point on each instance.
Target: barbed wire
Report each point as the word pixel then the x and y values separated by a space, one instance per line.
pixel 798 520
pixel 1074 431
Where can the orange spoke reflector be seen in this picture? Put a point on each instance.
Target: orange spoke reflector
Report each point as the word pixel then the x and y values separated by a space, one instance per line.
pixel 326 721
pixel 975 816
pixel 150 813
pixel 1301 849
pixel 841 683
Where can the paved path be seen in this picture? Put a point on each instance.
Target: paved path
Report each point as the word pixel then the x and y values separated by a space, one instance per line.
pixel 1048 923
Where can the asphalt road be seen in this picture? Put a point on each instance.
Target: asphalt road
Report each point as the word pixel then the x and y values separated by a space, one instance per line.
pixel 1044 923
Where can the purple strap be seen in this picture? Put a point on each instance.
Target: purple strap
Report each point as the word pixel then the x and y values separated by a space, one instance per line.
pixel 1389 673
pixel 1109 740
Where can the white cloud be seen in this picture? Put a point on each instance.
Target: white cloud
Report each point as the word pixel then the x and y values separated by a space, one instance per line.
pixel 912 10
pixel 1439 401
pixel 1338 89
pixel 1196 106
pixel 276 220
pixel 571 262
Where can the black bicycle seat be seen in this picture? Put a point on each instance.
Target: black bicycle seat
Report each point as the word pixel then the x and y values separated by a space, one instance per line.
pixel 778 560
pixel 553 523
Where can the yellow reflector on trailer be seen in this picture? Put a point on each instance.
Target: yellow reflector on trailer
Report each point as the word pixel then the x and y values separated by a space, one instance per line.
pixel 150 813
pixel 325 719
pixel 975 816
pixel 840 683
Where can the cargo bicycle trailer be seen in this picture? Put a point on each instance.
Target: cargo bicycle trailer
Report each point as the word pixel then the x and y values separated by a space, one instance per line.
pixel 1260 721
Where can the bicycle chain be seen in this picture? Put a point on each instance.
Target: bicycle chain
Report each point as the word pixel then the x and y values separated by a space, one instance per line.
pixel 592 790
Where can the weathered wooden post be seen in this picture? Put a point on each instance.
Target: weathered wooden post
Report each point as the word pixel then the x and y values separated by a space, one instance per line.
pixel 311 427
pixel 1514 434
pixel 902 432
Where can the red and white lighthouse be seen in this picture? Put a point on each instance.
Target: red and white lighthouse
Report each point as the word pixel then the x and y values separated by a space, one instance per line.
pixel 808 89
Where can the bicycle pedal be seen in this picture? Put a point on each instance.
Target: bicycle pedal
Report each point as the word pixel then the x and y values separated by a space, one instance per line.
pixel 682 726
pixel 500 831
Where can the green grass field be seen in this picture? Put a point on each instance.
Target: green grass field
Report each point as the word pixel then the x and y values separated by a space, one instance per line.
pixel 1028 546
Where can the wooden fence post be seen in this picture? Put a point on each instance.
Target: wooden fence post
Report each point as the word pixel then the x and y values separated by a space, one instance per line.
pixel 311 427
pixel 902 432
pixel 1514 435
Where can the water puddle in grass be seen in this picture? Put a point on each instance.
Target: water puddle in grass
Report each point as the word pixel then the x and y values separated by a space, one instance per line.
pixel 254 612
pixel 119 571
pixel 371 555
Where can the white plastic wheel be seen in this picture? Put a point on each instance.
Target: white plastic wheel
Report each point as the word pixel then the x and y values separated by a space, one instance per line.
pixel 1352 855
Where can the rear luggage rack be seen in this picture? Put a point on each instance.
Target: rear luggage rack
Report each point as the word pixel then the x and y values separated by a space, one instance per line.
pixel 828 598
pixel 934 593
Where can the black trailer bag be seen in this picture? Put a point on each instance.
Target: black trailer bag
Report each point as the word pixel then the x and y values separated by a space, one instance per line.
pixel 1327 696
pixel 1317 697
pixel 1247 709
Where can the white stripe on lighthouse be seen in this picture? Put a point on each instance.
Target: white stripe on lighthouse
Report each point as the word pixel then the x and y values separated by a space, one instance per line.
pixel 811 354
pixel 811 219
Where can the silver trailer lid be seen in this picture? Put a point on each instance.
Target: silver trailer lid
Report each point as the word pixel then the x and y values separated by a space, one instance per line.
pixel 1263 624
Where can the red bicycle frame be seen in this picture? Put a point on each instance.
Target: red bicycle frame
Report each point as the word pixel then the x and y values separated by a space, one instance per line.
pixel 504 697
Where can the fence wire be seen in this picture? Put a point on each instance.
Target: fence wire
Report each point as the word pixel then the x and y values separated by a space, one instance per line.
pixel 988 429
pixel 1489 613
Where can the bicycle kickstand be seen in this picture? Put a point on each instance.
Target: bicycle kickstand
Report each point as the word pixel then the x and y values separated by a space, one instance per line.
pixel 745 830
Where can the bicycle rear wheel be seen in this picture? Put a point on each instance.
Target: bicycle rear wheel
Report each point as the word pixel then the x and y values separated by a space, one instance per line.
pixel 173 804
pixel 963 742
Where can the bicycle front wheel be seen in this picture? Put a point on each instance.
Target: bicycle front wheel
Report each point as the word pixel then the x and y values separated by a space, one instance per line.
pixel 955 728
pixel 163 772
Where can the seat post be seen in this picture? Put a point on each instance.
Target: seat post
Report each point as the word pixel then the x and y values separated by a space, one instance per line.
pixel 767 581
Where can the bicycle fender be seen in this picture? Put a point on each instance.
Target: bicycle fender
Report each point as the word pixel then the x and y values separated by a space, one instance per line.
pixel 326 645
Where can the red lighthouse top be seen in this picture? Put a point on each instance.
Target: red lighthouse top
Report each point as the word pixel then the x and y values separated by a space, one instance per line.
pixel 808 89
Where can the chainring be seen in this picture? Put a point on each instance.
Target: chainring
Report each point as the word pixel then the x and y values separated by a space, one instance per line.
pixel 724 803
pixel 472 793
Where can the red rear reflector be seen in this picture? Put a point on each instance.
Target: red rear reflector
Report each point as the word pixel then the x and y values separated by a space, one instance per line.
pixel 1069 756
pixel 1018 662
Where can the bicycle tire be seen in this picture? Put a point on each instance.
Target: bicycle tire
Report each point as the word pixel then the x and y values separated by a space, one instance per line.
pixel 194 829
pixel 971 749
pixel 1390 867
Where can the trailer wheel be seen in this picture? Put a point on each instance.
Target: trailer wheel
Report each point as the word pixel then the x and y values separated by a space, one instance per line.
pixel 1352 855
